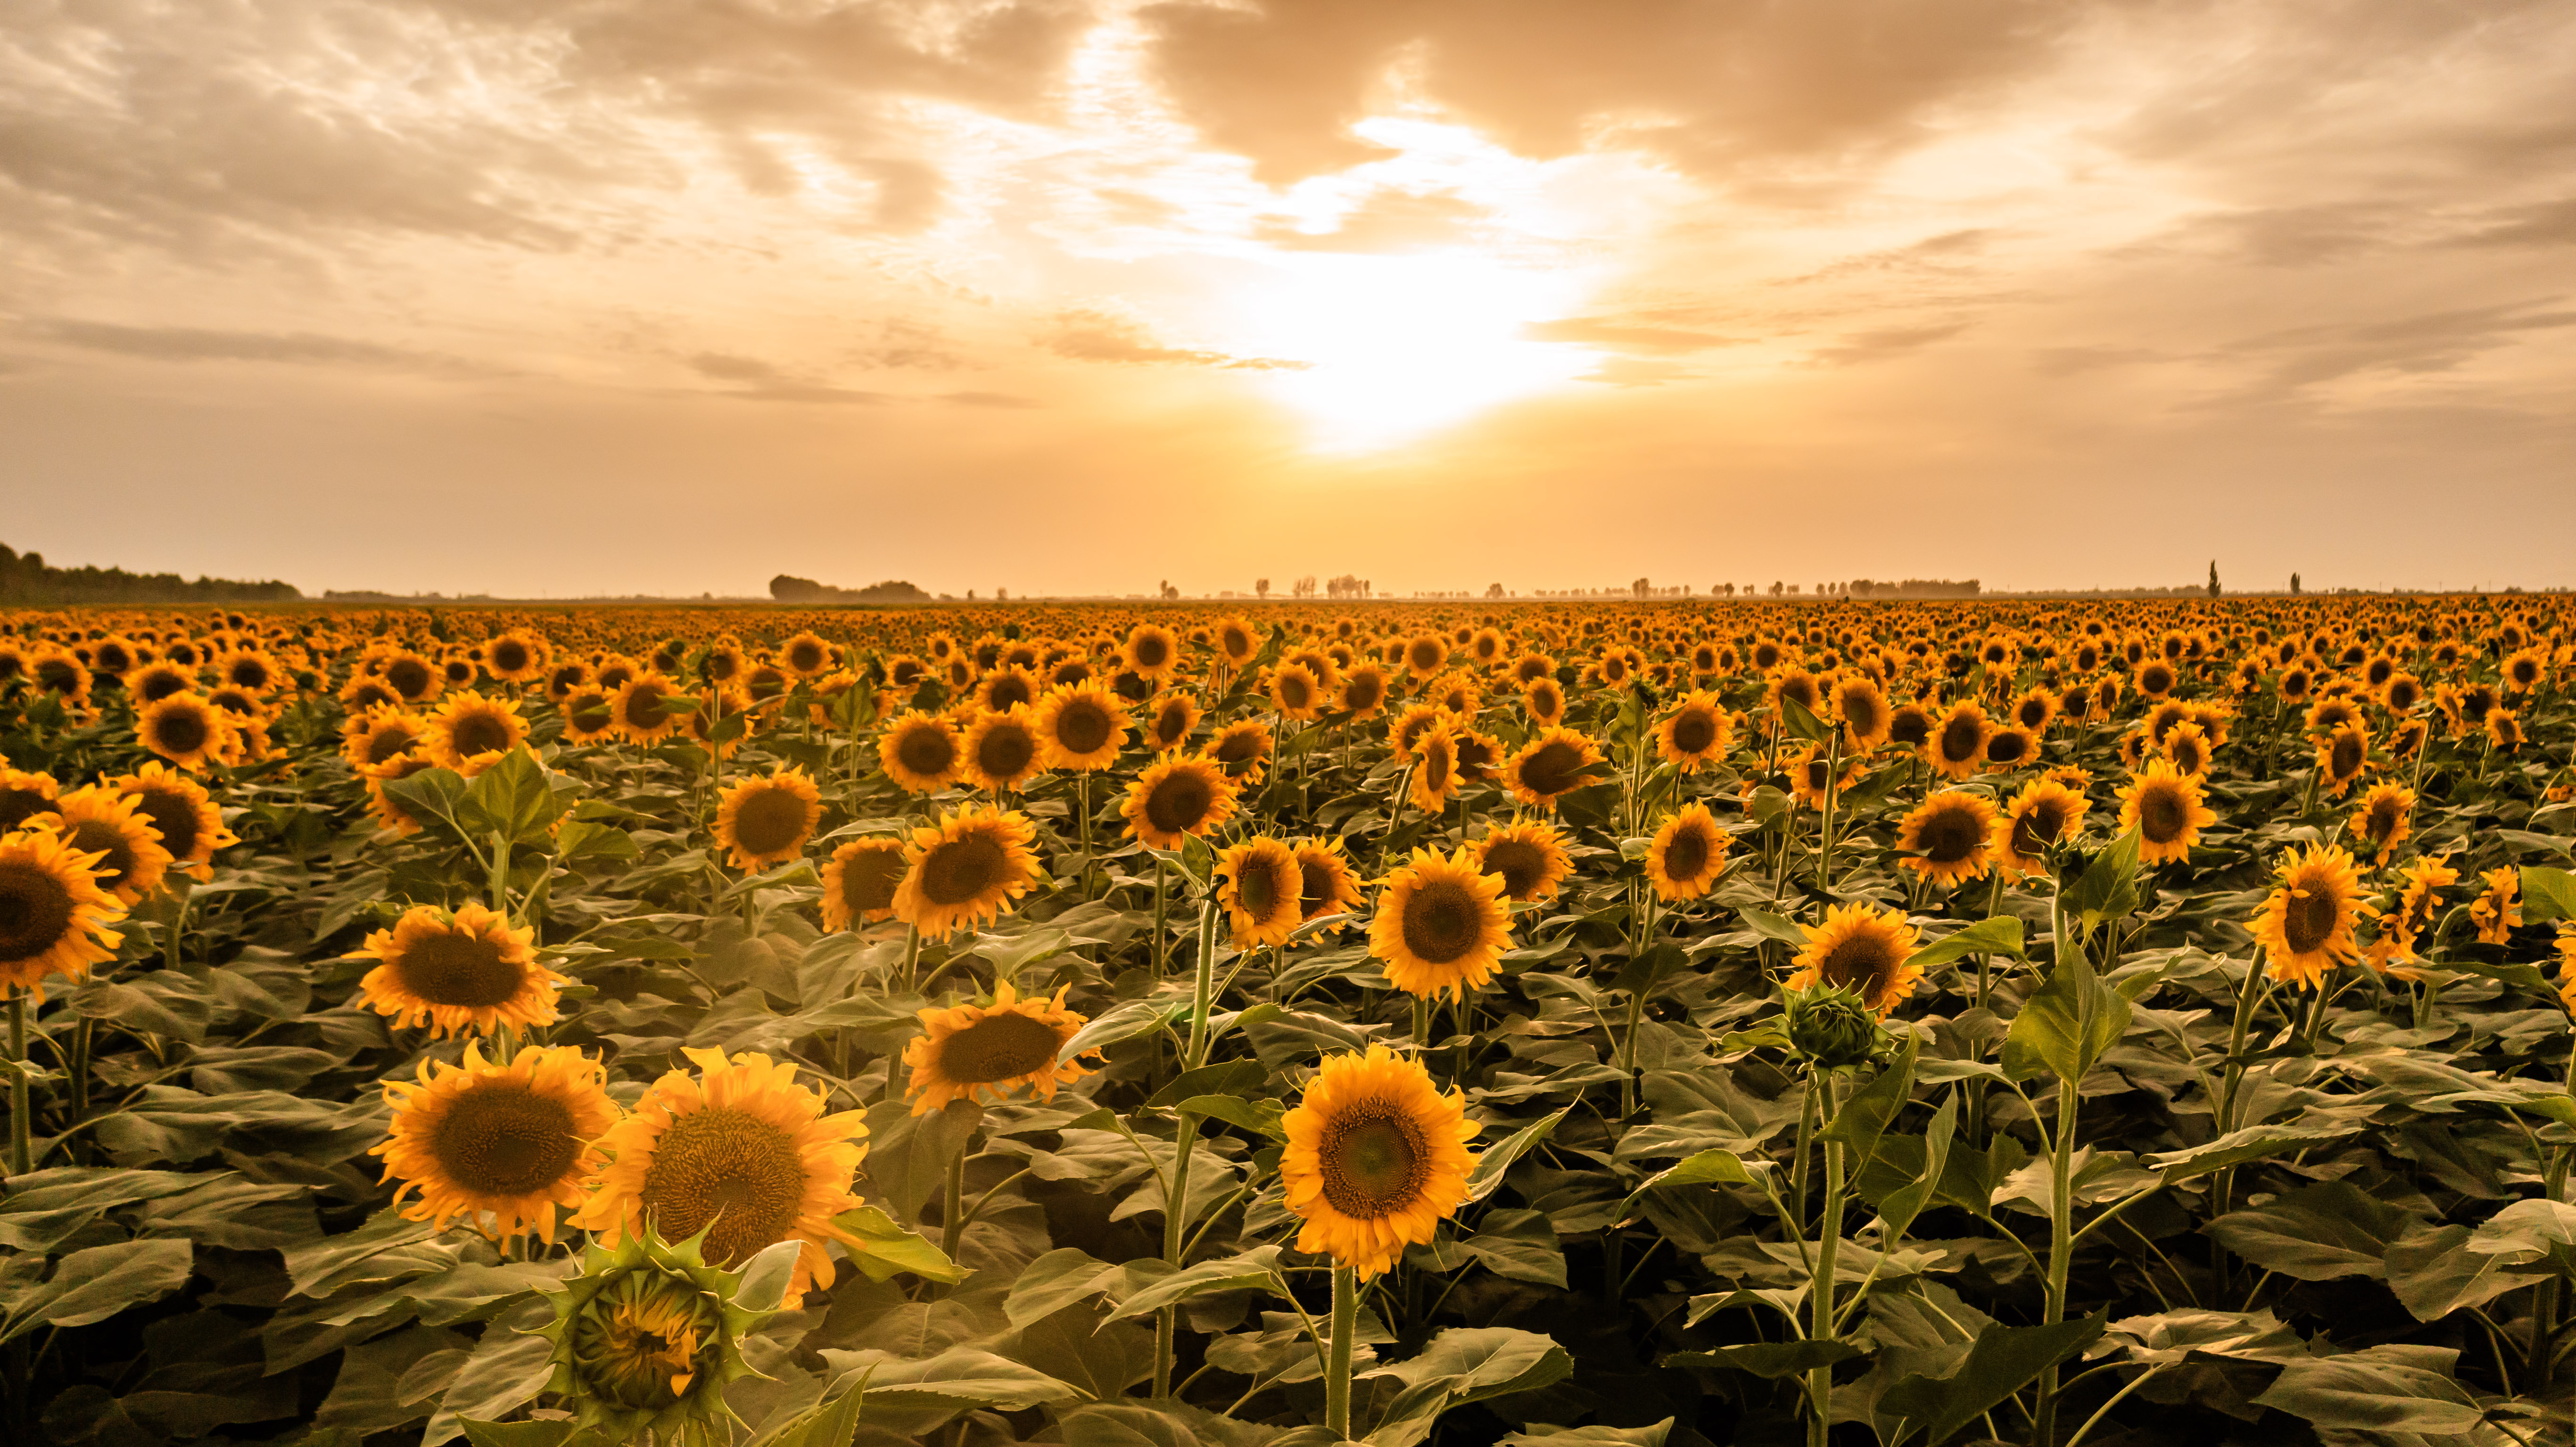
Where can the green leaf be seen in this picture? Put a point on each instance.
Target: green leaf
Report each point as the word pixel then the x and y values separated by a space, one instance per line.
pixel 2433 1275
pixel 1906 1202
pixel 1542 1435
pixel 885 1250
pixel 1231 1077
pixel 2320 1232
pixel 2547 894
pixel 1055 1281
pixel 95 1284
pixel 1261 1117
pixel 958 1377
pixel 1708 1168
pixel 1866 1114
pixel 557 1433
pixel 2108 889
pixel 1487 1177
pixel 1136 1017
pixel 1770 1358
pixel 1802 722
pixel 1643 972
pixel 514 797
pixel 2390 1388
pixel 1253 1268
pixel 826 1424
pixel 2253 1143
pixel 1516 1245
pixel 2066 1024
pixel 2000 935
pixel 2003 1360
pixel 1775 927
pixel 1462 1365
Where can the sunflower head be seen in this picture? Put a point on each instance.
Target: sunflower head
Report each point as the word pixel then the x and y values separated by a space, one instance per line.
pixel 2383 821
pixel 129 859
pixel 1957 745
pixel 23 795
pixel 1695 732
pixel 185 729
pixel 2306 924
pixel 2046 812
pixel 1326 884
pixel 860 881
pixel 1686 855
pixel 1529 856
pixel 1551 765
pixel 1243 750
pixel 1946 837
pixel 766 822
pixel 2164 805
pixel 1441 925
pixel 2497 911
pixel 1177 796
pixel 646 1339
pixel 966 869
pixel 1174 717
pixel 1081 726
pixel 54 915
pixel 1263 890
pixel 969 1051
pixel 192 829
pixel 1862 948
pixel 501 1146
pixel 466 970
pixel 1376 1158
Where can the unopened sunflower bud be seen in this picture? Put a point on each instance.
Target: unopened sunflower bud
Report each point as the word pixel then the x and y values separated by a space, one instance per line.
pixel 647 1337
pixel 1833 1028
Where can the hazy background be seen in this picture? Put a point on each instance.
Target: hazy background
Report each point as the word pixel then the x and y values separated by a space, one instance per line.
pixel 561 296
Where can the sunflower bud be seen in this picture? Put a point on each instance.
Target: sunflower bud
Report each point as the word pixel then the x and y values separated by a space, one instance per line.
pixel 647 1337
pixel 1832 1027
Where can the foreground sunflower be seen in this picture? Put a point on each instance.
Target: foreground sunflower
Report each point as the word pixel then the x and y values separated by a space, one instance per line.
pixel 920 752
pixel 185 729
pixel 764 822
pixel 470 733
pixel 1550 766
pixel 739 1151
pixel 860 881
pixel 1861 948
pixel 1326 884
pixel 2383 821
pixel 1177 796
pixel 1957 745
pixel 500 1145
pixel 2164 805
pixel 2045 812
pixel 54 917
pixel 1441 925
pixel 1081 726
pixel 1694 733
pixel 1686 855
pixel 1946 838
pixel 1376 1158
pixel 2306 924
pixel 130 860
pixel 468 970
pixel 192 829
pixel 991 1050
pixel 1529 856
pixel 966 870
pixel 1243 750
pixel 1263 891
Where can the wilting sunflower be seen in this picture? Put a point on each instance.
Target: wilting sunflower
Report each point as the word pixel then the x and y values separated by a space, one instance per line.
pixel 185 729
pixel 1686 855
pixel 1529 857
pixel 2306 924
pixel 95 820
pixel 1948 837
pixel 54 917
pixel 1242 749
pixel 1376 1158
pixel 23 795
pixel 2383 821
pixel 991 1050
pixel 500 1145
pixel 1695 732
pixel 860 881
pixel 192 829
pixel 1860 948
pixel 2342 757
pixel 1441 924
pixel 741 1152
pixel 1178 795
pixel 767 821
pixel 966 870
pixel 1550 766
pixel 1326 884
pixel 1435 769
pixel 2164 805
pixel 1263 891
pixel 2419 900
pixel 2045 812
pixel 1957 746
pixel 1363 693
pixel 470 733
pixel 640 708
pixel 1082 726
pixel 921 752
pixel 1171 721
pixel 2498 909
pixel 455 972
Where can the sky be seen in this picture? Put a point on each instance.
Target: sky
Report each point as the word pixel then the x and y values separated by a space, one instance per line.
pixel 563 297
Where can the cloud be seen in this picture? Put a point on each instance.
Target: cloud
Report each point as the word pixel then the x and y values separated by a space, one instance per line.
pixel 1388 221
pixel 199 344
pixel 1882 343
pixel 990 399
pixel 759 381
pixel 2544 223
pixel 1622 334
pixel 1098 336
pixel 2421 342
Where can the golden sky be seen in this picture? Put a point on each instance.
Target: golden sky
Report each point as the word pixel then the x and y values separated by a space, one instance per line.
pixel 566 296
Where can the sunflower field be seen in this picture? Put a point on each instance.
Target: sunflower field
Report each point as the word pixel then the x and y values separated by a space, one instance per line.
pixel 1563 1025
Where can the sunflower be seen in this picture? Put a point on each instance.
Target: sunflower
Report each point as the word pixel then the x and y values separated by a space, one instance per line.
pixel 470 733
pixel 1295 692
pixel 741 1152
pixel 2419 899
pixel 1435 769
pixel 1242 749
pixel 100 821
pixel 1948 837
pixel 54 916
pixel 2306 924
pixel 1862 948
pixel 377 734
pixel 966 869
pixel 765 822
pixel 639 707
pixel 389 812
pixel 1864 712
pixel 1151 652
pixel 2383 820
pixel 588 716
pixel 805 655
pixel 501 1145
pixel 1000 751
pixel 514 657
pixel 2045 812
pixel 2035 710
pixel 1909 725
pixel 1694 733
pixel 2499 907
pixel 1544 701
pixel 990 1050
pixel 251 670
pixel 2164 805
pixel 1178 795
pixel 191 828
pixel 185 729
pixel 1006 688
pixel 1376 1158
pixel 1529 856
pixel 1081 726
pixel 24 795
pixel 1263 891
pixel 859 882
pixel 2504 729
pixel 459 971
pixel 1811 775
pixel 1237 642
pixel 413 679
pixel 1326 884
pixel 1686 855
pixel 2342 757
pixel 2188 747
pixel 1957 745
pixel 1363 693
pixel 154 682
pixel 2010 747
pixel 1547 768
pixel 1441 924
pixel 921 752
pixel 1171 721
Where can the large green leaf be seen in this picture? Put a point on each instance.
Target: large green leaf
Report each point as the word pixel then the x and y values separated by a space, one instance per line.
pixel 2391 1388
pixel 1258 1267
pixel 884 1249
pixel 2547 894
pixel 1487 1176
pixel 2067 1024
pixel 2317 1233
pixel 1462 1365
pixel 2003 1360
pixel 95 1284
pixel 1869 1111
pixel 2000 935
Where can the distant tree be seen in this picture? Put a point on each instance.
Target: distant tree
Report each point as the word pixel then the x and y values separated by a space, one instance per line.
pixel 2213 577
pixel 2294 582
pixel 1261 587
pixel 1495 591
pixel 1777 587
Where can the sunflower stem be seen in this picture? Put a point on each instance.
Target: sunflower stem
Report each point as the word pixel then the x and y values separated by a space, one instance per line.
pixel 1203 991
pixel 1337 1359
pixel 952 1211
pixel 20 1095
pixel 2061 1247
pixel 1820 1288
pixel 178 926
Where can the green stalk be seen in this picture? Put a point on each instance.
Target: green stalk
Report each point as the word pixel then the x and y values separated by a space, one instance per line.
pixel 2061 1243
pixel 1337 1359
pixel 1825 844
pixel 21 1097
pixel 952 1211
pixel 1820 1287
